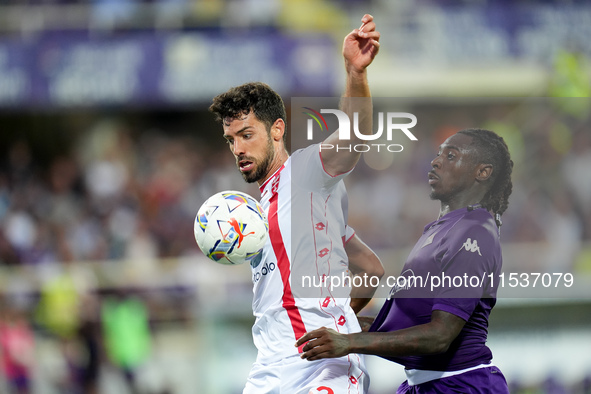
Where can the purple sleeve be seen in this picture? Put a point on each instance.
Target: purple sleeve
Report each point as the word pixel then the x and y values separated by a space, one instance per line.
pixel 471 255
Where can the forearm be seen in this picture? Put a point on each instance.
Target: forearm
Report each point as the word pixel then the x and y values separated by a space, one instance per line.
pixel 357 84
pixel 430 338
pixel 417 340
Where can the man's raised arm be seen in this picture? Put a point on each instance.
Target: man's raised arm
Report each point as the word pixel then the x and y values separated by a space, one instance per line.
pixel 359 49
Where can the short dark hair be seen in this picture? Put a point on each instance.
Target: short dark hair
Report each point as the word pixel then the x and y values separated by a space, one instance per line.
pixel 257 97
pixel 492 149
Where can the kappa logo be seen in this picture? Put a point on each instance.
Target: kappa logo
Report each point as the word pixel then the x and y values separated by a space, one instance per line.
pixel 471 246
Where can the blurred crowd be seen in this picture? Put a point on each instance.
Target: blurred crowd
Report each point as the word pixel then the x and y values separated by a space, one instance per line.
pixel 117 192
pixel 323 15
pixel 111 198
pixel 107 197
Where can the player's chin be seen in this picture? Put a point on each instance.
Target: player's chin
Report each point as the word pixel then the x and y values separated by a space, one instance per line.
pixel 250 176
pixel 434 195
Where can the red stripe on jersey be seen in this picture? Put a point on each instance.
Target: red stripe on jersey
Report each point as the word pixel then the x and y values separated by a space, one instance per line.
pixel 284 268
pixel 272 177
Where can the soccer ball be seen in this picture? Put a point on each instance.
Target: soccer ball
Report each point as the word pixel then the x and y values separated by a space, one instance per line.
pixel 231 228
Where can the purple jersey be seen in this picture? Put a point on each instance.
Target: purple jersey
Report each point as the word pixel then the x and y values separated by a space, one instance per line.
pixel 454 265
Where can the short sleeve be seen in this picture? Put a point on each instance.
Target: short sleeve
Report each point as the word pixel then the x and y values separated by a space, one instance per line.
pixel 308 171
pixel 349 233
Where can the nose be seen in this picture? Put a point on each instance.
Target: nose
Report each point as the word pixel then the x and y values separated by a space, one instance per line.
pixel 436 162
pixel 237 148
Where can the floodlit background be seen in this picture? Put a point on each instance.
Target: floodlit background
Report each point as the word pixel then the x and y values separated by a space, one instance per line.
pixel 107 151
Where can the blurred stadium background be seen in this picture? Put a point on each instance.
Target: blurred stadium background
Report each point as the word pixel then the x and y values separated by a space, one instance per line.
pixel 107 151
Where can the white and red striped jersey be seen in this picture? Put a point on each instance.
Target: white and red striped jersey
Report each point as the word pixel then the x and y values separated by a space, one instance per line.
pixel 306 209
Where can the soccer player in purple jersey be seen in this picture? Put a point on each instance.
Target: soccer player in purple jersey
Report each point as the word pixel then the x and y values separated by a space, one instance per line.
pixel 439 332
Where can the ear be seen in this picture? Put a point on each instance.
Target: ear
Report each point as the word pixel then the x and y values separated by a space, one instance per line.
pixel 277 130
pixel 483 172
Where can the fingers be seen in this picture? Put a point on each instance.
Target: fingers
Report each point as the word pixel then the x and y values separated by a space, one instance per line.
pixel 373 37
pixel 367 29
pixel 315 349
pixel 315 334
pixel 317 344
pixel 367 18
pixel 367 24
pixel 317 353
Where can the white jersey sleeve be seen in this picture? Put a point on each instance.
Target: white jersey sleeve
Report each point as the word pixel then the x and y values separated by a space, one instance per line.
pixel 308 170
pixel 349 233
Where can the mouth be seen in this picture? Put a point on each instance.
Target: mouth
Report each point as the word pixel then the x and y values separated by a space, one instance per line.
pixel 245 165
pixel 432 178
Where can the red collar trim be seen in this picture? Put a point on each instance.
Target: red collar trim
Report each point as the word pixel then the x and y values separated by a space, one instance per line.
pixel 262 187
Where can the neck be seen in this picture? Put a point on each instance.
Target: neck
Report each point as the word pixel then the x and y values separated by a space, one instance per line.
pixel 458 202
pixel 279 159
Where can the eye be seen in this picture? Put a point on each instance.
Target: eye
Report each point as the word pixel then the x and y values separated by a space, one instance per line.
pixel 450 156
pixel 229 141
pixel 247 136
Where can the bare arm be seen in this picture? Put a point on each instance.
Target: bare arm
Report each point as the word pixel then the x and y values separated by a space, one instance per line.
pixel 430 338
pixel 359 49
pixel 365 322
pixel 365 263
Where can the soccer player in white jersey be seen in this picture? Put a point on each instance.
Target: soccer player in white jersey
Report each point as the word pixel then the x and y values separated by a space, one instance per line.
pixel 303 196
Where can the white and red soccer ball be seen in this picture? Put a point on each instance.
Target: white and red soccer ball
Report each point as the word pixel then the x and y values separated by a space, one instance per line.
pixel 231 228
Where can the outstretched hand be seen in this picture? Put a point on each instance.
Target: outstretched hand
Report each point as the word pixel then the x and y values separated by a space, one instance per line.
pixel 323 343
pixel 361 45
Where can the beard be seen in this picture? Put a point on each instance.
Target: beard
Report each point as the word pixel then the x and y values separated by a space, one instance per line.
pixel 261 167
pixel 434 195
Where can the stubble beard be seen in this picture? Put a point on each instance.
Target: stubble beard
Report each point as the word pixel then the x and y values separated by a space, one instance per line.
pixel 262 168
pixel 434 196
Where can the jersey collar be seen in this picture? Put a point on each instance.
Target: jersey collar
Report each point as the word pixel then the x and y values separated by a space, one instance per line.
pixel 275 174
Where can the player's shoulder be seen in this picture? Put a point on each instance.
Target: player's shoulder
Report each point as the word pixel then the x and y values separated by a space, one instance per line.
pixel 469 221
pixel 306 153
pixel 479 219
pixel 475 224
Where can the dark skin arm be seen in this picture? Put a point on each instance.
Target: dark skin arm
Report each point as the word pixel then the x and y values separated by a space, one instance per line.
pixel 430 338
pixel 365 322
